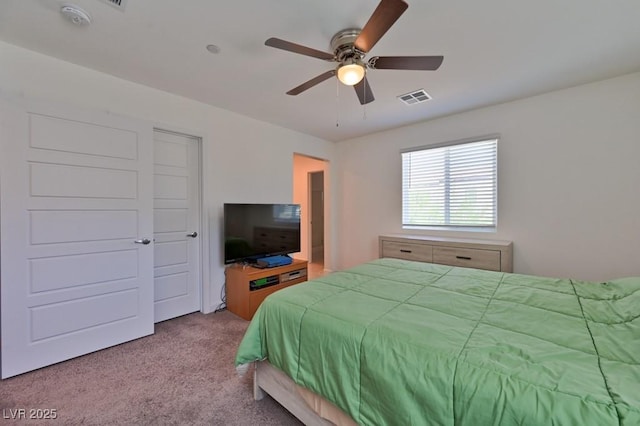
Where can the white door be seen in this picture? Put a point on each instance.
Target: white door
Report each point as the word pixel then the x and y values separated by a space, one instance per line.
pixel 75 196
pixel 176 224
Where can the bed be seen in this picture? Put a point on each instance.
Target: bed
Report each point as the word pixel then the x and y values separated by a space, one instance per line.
pixel 410 343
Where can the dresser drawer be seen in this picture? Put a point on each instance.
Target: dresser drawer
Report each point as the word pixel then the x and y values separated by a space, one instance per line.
pixel 468 258
pixel 407 251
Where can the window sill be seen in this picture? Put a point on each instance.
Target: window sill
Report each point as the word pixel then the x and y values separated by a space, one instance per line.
pixel 484 229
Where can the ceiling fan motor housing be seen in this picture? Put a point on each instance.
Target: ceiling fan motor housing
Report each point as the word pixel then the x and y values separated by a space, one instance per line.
pixel 342 45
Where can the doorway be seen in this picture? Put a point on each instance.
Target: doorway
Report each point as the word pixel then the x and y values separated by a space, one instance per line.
pixel 311 183
pixel 316 219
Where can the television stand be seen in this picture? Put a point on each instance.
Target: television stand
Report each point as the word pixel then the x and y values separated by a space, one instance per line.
pixel 247 286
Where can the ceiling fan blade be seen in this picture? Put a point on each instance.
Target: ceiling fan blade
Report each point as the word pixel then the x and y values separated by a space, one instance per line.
pixel 385 15
pixel 424 63
pixel 297 48
pixel 363 90
pixel 309 84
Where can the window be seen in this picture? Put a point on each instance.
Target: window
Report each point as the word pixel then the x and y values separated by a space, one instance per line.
pixel 451 185
pixel 286 213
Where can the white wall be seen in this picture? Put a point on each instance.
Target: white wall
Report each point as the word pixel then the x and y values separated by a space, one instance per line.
pixel 568 180
pixel 245 160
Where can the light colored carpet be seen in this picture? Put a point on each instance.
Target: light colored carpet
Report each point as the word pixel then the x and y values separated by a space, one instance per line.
pixel 181 375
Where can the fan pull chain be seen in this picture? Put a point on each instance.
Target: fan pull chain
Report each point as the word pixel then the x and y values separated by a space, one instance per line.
pixel 337 103
pixel 364 107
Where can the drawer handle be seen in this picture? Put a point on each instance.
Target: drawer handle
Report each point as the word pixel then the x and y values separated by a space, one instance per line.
pixel 405 251
pixel 463 257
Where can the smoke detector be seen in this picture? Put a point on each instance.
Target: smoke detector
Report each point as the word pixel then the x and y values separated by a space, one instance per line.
pixel 75 14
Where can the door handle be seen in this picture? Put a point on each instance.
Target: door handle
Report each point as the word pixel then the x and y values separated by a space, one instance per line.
pixel 144 241
pixel 193 234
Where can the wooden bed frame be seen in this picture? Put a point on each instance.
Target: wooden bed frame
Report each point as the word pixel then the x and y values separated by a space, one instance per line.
pixel 269 380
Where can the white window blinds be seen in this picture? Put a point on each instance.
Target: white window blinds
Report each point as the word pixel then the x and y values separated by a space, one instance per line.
pixel 451 186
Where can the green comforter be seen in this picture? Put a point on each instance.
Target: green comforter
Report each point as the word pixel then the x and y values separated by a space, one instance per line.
pixel 410 343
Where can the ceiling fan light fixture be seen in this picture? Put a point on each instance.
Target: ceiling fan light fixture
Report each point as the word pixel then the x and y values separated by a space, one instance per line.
pixel 351 72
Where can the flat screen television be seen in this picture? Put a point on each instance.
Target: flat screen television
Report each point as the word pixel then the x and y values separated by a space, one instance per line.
pixel 253 231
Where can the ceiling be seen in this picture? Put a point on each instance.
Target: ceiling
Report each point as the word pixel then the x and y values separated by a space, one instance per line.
pixel 494 51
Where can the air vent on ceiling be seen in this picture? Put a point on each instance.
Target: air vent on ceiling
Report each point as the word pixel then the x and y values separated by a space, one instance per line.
pixel 118 4
pixel 415 97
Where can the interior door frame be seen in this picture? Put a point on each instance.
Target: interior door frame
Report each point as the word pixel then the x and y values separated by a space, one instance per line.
pixel 302 165
pixel 204 290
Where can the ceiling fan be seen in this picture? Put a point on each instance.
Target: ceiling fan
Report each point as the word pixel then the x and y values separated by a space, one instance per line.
pixel 350 47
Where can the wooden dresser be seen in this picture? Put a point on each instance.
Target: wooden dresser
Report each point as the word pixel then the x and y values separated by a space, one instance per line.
pixel 471 253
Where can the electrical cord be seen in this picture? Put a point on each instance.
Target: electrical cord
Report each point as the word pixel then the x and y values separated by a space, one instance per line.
pixel 223 296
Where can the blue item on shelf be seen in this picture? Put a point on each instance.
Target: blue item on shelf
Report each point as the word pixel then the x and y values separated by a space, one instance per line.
pixel 273 261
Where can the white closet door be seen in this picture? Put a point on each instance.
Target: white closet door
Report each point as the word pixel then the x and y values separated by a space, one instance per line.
pixel 76 193
pixel 176 225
